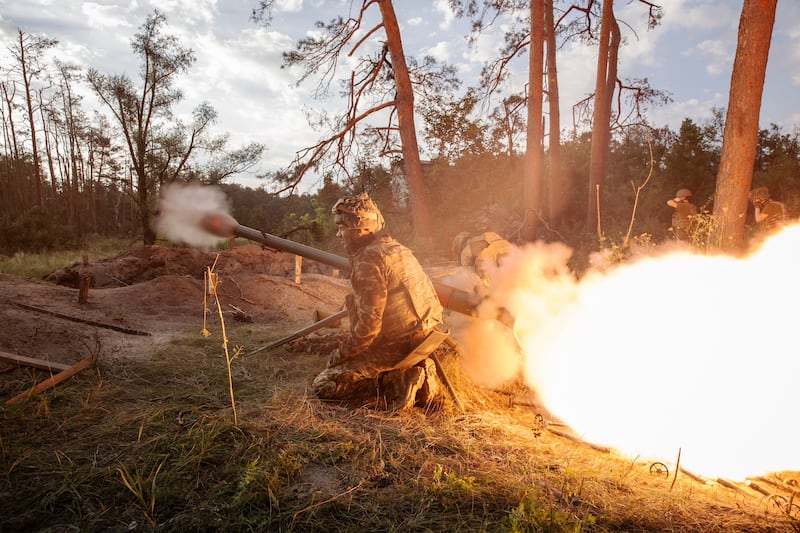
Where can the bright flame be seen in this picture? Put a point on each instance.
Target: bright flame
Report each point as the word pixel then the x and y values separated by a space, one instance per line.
pixel 181 211
pixel 679 352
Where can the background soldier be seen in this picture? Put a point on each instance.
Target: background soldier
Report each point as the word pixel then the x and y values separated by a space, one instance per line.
pixel 392 308
pixel 483 252
pixel 769 214
pixel 682 216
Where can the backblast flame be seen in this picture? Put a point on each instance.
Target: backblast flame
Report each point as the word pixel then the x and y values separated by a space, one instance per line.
pixel 679 353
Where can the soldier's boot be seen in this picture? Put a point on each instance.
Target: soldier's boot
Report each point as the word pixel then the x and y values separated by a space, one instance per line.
pixel 399 388
pixel 431 394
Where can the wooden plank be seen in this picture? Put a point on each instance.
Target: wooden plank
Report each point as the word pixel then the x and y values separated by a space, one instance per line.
pixel 31 361
pixel 54 380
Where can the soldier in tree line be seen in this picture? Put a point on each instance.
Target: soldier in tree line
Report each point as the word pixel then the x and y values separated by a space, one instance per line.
pixel 682 215
pixel 392 308
pixel 769 214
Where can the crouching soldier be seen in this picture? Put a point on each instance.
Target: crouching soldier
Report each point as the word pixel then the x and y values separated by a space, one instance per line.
pixel 392 308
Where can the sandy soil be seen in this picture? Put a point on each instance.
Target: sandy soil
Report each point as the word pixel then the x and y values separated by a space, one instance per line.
pixel 149 295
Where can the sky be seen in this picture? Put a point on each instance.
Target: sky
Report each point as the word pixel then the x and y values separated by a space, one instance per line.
pixel 238 68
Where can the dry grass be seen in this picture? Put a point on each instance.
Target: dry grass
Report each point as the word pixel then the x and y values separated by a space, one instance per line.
pixel 150 444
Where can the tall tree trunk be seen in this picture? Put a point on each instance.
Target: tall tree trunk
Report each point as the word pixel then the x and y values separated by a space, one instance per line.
pixel 11 133
pixel 408 134
pixel 740 138
pixel 601 122
pixel 49 155
pixel 532 184
pixel 558 190
pixel 26 77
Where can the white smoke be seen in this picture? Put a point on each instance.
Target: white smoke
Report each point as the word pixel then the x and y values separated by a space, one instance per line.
pixel 182 207
pixel 680 352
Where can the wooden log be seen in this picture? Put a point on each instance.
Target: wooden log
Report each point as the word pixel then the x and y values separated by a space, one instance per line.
pixel 53 380
pixel 31 361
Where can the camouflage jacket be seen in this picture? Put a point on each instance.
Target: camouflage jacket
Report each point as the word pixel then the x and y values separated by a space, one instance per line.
pixel 775 215
pixel 392 296
pixel 484 252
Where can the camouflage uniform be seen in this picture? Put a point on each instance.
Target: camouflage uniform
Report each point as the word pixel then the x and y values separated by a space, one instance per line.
pixel 682 220
pixel 769 214
pixel 392 308
pixel 775 215
pixel 484 252
pixel 683 216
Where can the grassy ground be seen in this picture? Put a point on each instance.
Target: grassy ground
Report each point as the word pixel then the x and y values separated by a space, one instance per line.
pixel 150 444
pixel 37 265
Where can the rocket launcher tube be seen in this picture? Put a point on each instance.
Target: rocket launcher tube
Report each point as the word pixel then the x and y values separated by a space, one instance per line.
pixel 224 225
pixel 285 245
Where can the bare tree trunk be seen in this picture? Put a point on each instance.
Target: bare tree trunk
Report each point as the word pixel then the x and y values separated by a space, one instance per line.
pixel 534 157
pixel 49 154
pixel 601 122
pixel 557 189
pixel 6 186
pixel 18 185
pixel 29 101
pixel 408 135
pixel 12 133
pixel 740 138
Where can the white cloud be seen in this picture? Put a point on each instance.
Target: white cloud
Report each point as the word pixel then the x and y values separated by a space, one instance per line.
pixel 443 7
pixel 104 17
pixel 415 21
pixel 700 15
pixel 287 6
pixel 718 54
pixel 186 11
pixel 441 51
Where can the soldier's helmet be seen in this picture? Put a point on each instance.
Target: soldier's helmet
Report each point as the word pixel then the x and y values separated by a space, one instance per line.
pixel 683 193
pixel 358 212
pixel 759 194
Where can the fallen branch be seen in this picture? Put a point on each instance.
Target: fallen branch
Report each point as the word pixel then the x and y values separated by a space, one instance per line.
pixel 83 320
pixel 54 380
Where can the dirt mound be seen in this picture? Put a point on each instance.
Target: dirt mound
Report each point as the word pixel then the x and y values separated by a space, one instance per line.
pixel 149 262
pixel 149 295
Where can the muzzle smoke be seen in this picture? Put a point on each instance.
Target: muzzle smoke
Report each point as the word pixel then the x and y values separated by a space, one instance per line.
pixel 181 210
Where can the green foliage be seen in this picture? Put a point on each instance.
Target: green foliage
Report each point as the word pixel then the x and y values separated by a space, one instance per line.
pixel 444 481
pixel 34 231
pixel 534 515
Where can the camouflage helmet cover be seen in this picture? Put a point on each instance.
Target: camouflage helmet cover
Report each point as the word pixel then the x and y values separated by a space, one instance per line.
pixel 358 212
pixel 683 193
pixel 759 194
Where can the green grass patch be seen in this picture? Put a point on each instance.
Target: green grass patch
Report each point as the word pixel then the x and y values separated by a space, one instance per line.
pixel 37 265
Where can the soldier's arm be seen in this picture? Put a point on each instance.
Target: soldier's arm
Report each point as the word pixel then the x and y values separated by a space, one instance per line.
pixel 370 293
